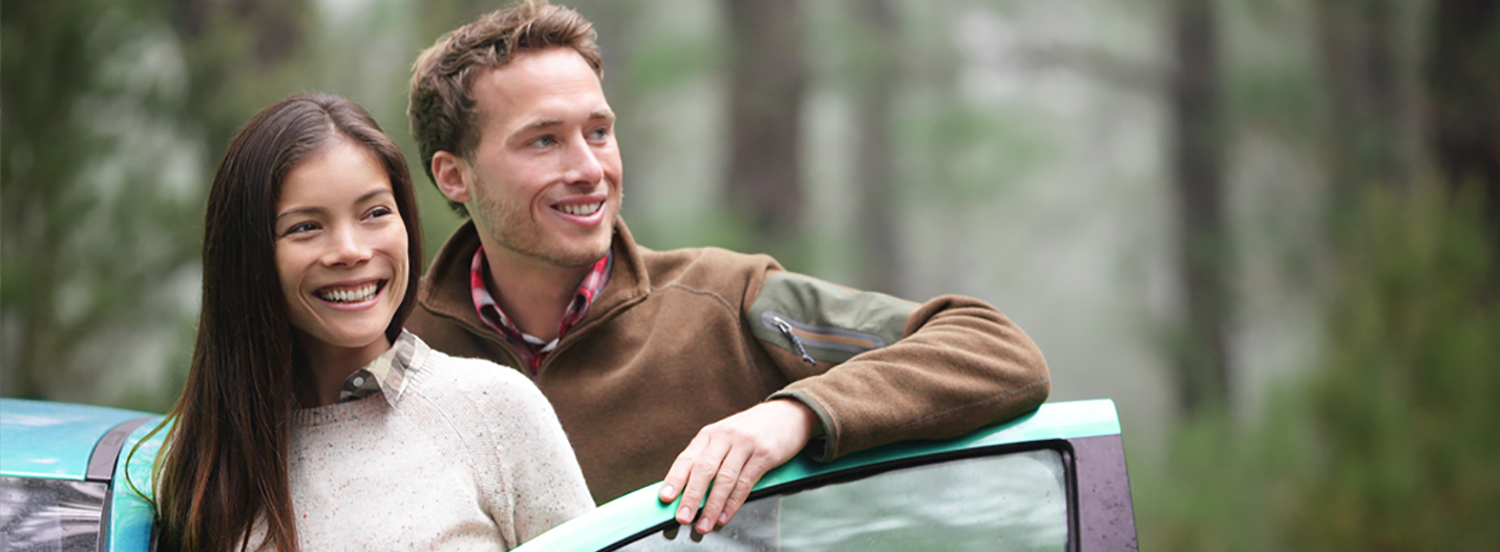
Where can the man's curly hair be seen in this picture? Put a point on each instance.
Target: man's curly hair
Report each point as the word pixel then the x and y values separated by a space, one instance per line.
pixel 443 112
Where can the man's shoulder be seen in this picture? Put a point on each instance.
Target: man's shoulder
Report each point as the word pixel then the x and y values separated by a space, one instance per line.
pixel 705 267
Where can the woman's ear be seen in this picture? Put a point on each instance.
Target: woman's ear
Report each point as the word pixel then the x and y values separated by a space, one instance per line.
pixel 451 172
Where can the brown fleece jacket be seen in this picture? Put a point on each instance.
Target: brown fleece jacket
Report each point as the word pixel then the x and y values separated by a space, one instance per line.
pixel 680 339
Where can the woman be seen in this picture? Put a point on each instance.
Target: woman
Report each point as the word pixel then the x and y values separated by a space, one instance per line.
pixel 310 419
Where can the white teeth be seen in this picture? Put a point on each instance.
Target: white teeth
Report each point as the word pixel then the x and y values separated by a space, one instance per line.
pixel 581 210
pixel 362 293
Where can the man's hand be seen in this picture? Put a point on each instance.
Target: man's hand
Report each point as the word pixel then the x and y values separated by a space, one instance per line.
pixel 733 454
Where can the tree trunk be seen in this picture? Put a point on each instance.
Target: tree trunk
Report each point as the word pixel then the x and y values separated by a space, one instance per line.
pixel 233 50
pixel 1367 110
pixel 1203 247
pixel 1463 84
pixel 766 83
pixel 875 166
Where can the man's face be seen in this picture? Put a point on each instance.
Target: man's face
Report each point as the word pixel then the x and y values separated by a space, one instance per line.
pixel 544 181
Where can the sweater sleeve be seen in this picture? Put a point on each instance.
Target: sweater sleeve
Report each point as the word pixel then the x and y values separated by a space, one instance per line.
pixel 538 466
pixel 877 369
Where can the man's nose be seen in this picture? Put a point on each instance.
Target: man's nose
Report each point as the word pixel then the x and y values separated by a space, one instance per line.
pixel 582 163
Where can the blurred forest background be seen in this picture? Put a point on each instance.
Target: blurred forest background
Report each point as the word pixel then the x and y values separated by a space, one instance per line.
pixel 1268 229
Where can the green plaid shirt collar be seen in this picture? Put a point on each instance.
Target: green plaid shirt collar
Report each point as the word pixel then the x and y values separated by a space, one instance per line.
pixel 388 372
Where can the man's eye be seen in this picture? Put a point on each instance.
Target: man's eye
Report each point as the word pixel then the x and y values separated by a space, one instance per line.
pixel 600 133
pixel 543 141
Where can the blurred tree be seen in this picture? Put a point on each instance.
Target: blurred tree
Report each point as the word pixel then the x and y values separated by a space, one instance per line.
pixel 1202 243
pixel 93 212
pixel 874 165
pixel 1389 444
pixel 766 81
pixel 1404 410
pixel 1368 113
pixel 1463 85
pixel 239 55
pixel 43 81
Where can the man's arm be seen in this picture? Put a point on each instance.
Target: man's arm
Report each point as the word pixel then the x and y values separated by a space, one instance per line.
pixel 871 369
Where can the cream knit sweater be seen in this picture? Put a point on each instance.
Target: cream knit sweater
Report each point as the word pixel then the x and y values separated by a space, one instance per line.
pixel 468 456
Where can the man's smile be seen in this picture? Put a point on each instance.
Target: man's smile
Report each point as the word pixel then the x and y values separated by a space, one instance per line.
pixel 580 209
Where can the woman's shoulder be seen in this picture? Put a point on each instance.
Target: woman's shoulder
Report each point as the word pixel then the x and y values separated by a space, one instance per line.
pixel 479 397
pixel 449 377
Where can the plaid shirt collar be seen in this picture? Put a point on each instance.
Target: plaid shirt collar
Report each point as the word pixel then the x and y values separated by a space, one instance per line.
pixel 532 349
pixel 388 372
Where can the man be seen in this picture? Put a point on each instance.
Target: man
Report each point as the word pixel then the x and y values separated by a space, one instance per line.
pixel 724 357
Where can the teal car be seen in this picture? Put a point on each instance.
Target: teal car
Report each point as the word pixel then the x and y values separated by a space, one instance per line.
pixel 61 486
pixel 1052 480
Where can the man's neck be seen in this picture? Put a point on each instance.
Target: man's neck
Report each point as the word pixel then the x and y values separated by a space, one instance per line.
pixel 532 293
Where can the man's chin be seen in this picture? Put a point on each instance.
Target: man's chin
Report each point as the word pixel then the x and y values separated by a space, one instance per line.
pixel 582 257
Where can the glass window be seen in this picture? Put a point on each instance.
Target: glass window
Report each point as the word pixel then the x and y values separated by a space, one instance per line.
pixel 50 514
pixel 1015 501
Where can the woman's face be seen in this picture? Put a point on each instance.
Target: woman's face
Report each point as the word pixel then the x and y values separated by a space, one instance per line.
pixel 341 251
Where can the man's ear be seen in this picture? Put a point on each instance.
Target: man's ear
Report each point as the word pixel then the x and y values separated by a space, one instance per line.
pixel 450 172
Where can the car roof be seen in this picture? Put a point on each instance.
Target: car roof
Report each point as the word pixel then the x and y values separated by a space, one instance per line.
pixel 53 440
pixel 641 510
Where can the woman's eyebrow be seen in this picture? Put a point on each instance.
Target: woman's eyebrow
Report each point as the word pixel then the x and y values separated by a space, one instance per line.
pixel 372 193
pixel 309 209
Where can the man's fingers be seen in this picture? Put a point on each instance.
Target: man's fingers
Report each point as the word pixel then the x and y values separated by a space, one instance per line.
pixel 738 451
pixel 755 468
pixel 677 475
pixel 748 478
pixel 726 481
pixel 703 467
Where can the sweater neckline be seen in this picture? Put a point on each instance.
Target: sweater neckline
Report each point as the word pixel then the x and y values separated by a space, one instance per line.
pixel 314 416
pixel 338 412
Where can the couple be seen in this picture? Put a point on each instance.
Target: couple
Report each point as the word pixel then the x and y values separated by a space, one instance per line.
pixel 312 420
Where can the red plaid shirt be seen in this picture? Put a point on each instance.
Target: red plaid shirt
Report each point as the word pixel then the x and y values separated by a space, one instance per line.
pixel 532 349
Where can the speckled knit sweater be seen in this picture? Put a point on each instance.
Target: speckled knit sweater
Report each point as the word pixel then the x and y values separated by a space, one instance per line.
pixel 467 457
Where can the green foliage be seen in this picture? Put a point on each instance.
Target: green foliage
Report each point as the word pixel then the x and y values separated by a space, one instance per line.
pixel 1390 444
pixel 1408 408
pixel 96 198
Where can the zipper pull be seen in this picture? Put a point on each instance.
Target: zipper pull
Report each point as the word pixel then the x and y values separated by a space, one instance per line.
pixel 786 329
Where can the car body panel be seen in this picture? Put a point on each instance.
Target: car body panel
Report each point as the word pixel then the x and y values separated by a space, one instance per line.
pixel 641 511
pixel 131 516
pixel 54 440
pixel 49 443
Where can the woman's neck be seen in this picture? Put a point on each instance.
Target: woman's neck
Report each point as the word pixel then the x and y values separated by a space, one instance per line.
pixel 328 366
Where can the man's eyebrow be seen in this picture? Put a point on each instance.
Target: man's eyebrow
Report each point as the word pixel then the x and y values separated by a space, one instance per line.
pixel 602 114
pixel 541 124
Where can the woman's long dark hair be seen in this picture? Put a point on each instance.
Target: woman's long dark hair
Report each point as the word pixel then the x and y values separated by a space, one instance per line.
pixel 224 464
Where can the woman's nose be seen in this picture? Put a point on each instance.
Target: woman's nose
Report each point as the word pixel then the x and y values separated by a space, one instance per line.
pixel 348 247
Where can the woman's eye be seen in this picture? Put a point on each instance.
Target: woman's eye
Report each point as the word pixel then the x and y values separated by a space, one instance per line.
pixel 300 228
pixel 380 212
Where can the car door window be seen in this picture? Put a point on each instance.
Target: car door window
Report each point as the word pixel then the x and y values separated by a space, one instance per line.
pixel 50 514
pixel 1014 501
